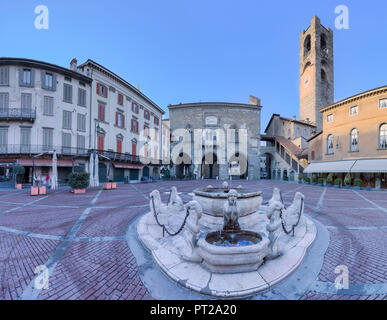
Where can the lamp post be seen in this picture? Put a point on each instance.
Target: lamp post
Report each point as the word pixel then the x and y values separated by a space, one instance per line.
pixel 96 128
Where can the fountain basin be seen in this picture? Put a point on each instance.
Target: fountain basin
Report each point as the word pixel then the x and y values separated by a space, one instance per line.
pixel 232 252
pixel 212 201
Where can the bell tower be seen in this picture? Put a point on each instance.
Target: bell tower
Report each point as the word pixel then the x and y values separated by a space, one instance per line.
pixel 316 72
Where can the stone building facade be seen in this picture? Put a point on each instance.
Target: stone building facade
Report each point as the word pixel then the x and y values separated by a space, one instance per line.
pixel 213 152
pixel 354 139
pixel 316 72
pixel 43 107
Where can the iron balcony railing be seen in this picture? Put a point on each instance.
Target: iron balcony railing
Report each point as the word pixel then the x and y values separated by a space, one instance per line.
pixel 20 149
pixel 18 114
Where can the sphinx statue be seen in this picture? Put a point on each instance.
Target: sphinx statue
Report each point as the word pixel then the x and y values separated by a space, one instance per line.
pixel 175 203
pixel 293 216
pixel 231 212
pixel 274 227
pixel 158 209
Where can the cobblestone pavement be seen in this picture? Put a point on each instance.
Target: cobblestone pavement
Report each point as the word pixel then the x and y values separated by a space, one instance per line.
pixel 81 240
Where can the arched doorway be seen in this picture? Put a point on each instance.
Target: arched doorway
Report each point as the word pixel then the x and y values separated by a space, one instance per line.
pixel 210 167
pixel 267 174
pixel 102 172
pixel 285 175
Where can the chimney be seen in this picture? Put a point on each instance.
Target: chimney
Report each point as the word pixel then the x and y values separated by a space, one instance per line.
pixel 74 64
pixel 254 101
pixel 294 118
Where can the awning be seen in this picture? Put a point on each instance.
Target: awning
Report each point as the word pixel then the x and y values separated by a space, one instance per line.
pixel 46 163
pixel 119 165
pixel 370 165
pixel 330 167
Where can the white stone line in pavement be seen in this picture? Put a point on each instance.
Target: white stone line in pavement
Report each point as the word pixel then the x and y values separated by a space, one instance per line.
pixel 140 192
pixel 369 201
pixel 22 206
pixel 366 289
pixel 358 228
pixel 77 207
pixel 321 201
pixel 30 234
pixel 31 293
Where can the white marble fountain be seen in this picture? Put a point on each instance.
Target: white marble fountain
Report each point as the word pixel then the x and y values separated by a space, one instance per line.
pixel 225 243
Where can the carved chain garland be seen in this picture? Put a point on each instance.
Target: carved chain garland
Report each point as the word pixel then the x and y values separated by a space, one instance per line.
pixel 163 226
pixel 298 220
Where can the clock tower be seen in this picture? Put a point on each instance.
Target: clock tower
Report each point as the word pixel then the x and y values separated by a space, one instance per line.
pixel 316 72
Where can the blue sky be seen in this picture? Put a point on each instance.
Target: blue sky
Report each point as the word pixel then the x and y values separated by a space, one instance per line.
pixel 203 50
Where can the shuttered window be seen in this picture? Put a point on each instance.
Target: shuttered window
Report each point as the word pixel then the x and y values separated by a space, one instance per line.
pixel 4 76
pixel 67 93
pixel 101 142
pixel 48 106
pixel 119 146
pixel 134 149
pixel 120 120
pixel 48 80
pixel 81 122
pixel 26 77
pixel 67 117
pixel 81 142
pixel 25 140
pixel 26 101
pixel 3 140
pixel 101 112
pixel 82 97
pixel 66 143
pixel 4 102
pixel 48 136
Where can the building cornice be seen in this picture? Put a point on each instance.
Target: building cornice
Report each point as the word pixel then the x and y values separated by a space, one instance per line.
pixel 44 65
pixel 357 97
pixel 214 104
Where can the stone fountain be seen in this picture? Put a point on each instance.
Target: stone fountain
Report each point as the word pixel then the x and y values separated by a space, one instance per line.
pixel 224 242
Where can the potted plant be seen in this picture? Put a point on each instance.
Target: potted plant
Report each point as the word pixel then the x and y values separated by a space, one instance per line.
pixel 19 173
pixel 347 181
pixel 321 182
pixel 79 181
pixel 357 184
pixel 299 178
pixel 307 180
pixel 107 185
pixel 329 180
pixel 338 182
pixel 314 179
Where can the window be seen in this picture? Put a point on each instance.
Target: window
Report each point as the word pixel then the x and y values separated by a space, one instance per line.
pixel 48 81
pixel 101 142
pixel 313 155
pixel 48 135
pixel 383 103
pixel 146 151
pixel 307 45
pixel 81 123
pixel 135 107
pixel 156 135
pixel 134 149
pixel 119 146
pixel 26 77
pixel 354 140
pixel 4 102
pixel 102 90
pixel 81 97
pixel 67 117
pixel 383 136
pixel 323 75
pixel 330 118
pixel 120 120
pixel 323 42
pixel 330 144
pixel 25 140
pixel 146 131
pixel 4 76
pixel 146 114
pixel 134 125
pixel 3 140
pixel 155 153
pixel 120 99
pixel 26 102
pixel 48 106
pixel 156 120
pixel 101 112
pixel 81 143
pixel 66 143
pixel 67 93
pixel 354 110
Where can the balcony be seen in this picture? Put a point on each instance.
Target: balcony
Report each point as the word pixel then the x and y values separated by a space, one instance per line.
pixel 16 149
pixel 17 114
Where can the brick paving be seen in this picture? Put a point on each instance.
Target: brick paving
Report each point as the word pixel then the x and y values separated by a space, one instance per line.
pixel 31 229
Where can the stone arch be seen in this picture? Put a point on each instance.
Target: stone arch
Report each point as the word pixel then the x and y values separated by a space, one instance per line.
pixel 323 42
pixel 307 45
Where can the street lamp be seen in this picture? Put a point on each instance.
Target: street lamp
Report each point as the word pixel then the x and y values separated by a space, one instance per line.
pixel 96 128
